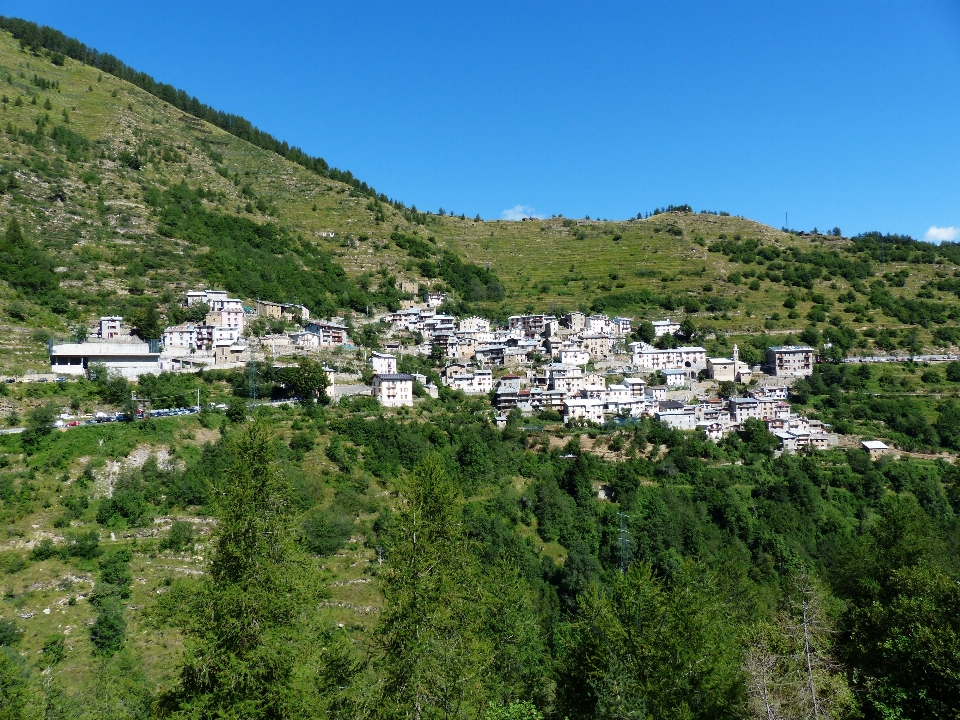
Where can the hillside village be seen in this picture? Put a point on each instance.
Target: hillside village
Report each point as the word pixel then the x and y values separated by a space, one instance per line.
pixel 580 369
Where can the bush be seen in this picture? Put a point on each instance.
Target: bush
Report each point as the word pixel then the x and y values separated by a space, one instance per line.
pixel 326 532
pixel 44 550
pixel 181 535
pixel 301 443
pixel 237 410
pixel 54 649
pixel 10 634
pixel 109 631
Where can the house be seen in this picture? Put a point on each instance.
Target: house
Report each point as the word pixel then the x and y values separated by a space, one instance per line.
pixel 665 327
pixel 473 324
pixel 636 386
pixel 583 409
pixel 383 364
pixel 331 334
pixel 109 327
pixel 393 389
pixel 790 360
pixel 599 346
pixel 621 326
pixel 566 378
pixel 721 369
pixel 691 359
pixel 283 311
pixel 599 325
pixel 574 321
pixel 713 429
pixel 534 325
pixel 232 317
pixel 227 351
pixel 743 409
pixel 478 382
pixel 675 378
pixel 573 356
pixel 875 448
pixel 434 299
pixel 214 299
pixel 128 359
pixel 679 419
pixel 508 393
pixel 181 336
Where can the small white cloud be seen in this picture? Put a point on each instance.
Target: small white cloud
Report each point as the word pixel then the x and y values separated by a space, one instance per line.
pixel 938 234
pixel 519 212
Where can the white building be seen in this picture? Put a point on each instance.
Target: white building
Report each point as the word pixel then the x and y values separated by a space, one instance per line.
pixel 181 336
pixel 383 364
pixel 478 382
pixel 665 327
pixel 621 326
pixel 393 390
pixel 109 327
pixel 675 378
pixel 331 334
pixel 473 324
pixel 791 360
pixel 685 419
pixel 691 359
pixel 573 356
pixel 583 409
pixel 129 359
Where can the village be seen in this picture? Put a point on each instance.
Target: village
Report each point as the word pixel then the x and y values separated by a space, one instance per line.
pixel 580 369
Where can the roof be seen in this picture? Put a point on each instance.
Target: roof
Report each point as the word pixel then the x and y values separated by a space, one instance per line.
pixel 395 377
pixel 874 445
pixel 791 348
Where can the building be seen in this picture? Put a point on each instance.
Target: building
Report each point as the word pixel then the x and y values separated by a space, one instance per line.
pixel 599 346
pixel 574 321
pixel 214 299
pixel 599 325
pixel 383 364
pixel 109 327
pixel 621 326
pixel 790 360
pixel 665 327
pixel 473 324
pixel 181 336
pixel 587 409
pixel 232 317
pixel 691 359
pixel 478 382
pixel 675 378
pixel 534 325
pixel 875 448
pixel 331 334
pixel 679 419
pixel 573 356
pixel 129 359
pixel 283 311
pixel 394 389
pixel 434 299
pixel 729 369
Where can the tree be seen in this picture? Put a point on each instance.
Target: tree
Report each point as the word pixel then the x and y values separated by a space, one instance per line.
pixel 645 332
pixel 243 642
pixel 13 686
pixel 953 371
pixel 433 656
pixel 308 380
pixel 109 631
pixel 789 664
pixel 948 423
pixel 146 323
pixel 688 328
pixel 651 648
pixel 237 410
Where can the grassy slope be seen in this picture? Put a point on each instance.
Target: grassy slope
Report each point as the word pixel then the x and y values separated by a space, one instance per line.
pixel 545 265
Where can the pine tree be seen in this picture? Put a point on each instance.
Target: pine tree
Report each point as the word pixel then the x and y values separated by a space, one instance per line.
pixel 247 626
pixel 432 656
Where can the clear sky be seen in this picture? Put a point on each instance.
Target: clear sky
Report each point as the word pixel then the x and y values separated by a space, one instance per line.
pixel 841 113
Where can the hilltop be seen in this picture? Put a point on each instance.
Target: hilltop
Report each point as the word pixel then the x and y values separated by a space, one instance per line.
pixel 93 166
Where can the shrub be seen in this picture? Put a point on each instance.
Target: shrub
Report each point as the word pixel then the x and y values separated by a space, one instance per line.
pixel 10 634
pixel 326 532
pixel 109 631
pixel 44 550
pixel 181 535
pixel 54 649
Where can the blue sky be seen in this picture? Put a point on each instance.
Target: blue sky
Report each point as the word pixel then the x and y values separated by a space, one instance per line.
pixel 841 113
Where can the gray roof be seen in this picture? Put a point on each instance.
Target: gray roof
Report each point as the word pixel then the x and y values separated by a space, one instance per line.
pixel 395 376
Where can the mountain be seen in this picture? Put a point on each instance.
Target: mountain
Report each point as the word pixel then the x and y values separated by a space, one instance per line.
pixel 123 186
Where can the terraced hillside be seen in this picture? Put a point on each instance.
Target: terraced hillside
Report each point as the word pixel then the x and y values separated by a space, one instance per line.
pixel 94 169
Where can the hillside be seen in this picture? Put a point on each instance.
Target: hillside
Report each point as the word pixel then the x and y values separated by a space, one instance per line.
pixel 348 560
pixel 91 165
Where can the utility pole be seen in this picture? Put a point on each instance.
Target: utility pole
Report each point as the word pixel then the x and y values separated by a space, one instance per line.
pixel 624 541
pixel 198 399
